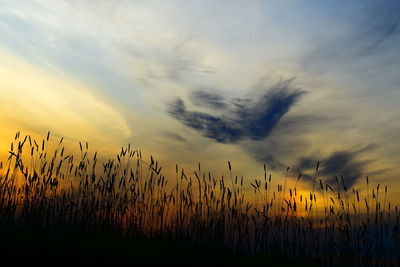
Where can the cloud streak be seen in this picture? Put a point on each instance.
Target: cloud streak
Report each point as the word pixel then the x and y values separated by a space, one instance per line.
pixel 361 34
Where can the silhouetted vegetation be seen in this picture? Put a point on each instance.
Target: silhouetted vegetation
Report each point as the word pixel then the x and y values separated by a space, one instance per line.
pixel 57 205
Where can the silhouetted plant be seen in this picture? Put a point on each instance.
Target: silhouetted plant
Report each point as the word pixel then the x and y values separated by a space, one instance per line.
pixel 130 197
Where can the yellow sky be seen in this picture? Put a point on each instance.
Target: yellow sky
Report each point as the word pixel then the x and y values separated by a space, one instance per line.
pixel 36 100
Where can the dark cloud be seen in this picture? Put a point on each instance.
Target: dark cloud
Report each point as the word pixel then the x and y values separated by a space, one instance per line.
pixel 337 164
pixel 245 120
pixel 261 119
pixel 220 129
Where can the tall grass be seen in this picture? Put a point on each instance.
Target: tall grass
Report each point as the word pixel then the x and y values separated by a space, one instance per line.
pixel 43 187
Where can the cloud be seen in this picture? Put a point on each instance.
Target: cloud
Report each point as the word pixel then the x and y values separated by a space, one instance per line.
pixel 210 100
pixel 218 129
pixel 245 120
pixel 380 24
pixel 340 163
pixel 288 140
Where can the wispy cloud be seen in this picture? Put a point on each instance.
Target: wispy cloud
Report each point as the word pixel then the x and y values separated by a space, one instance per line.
pixel 358 33
pixel 206 99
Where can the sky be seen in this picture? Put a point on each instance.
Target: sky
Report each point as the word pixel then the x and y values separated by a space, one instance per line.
pixel 282 83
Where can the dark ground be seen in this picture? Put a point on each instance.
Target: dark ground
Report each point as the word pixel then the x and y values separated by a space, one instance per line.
pixel 31 246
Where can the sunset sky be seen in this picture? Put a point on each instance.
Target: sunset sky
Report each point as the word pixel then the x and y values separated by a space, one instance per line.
pixel 285 82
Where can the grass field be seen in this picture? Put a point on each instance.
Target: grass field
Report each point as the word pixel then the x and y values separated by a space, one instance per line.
pixel 58 207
